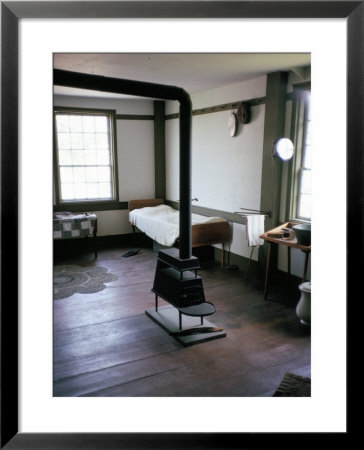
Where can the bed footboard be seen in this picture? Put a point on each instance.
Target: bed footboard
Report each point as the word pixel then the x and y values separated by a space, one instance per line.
pixel 210 233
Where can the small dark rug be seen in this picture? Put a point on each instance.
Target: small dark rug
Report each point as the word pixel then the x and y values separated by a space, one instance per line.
pixel 294 386
pixel 69 280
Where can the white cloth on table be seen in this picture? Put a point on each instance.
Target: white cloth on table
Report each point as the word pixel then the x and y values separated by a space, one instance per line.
pixel 254 229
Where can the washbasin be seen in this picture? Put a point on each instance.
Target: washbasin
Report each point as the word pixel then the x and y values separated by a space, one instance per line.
pixel 303 233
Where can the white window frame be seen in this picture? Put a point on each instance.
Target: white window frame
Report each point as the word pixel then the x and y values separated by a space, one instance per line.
pixel 299 125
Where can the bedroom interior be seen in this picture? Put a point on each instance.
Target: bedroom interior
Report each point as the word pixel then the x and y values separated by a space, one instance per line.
pixel 180 225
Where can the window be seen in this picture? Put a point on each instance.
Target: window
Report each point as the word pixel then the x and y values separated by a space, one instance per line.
pixel 301 197
pixel 85 156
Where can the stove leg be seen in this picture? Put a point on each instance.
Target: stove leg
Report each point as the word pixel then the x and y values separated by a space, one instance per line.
pixel 201 320
pixel 156 302
pixel 180 320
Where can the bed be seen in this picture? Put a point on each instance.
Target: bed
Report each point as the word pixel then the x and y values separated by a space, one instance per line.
pixel 161 223
pixel 67 225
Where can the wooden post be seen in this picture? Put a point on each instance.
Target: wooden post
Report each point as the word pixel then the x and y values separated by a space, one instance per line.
pixel 275 108
pixel 159 149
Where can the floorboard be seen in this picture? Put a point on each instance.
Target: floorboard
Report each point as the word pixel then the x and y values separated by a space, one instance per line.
pixel 106 346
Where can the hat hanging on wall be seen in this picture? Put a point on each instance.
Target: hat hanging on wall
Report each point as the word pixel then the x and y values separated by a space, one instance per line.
pixel 233 124
pixel 244 112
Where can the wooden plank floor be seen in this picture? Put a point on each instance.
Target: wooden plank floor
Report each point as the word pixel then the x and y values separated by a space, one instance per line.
pixel 105 345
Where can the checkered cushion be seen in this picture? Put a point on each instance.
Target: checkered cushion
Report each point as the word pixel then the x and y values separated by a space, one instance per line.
pixel 67 225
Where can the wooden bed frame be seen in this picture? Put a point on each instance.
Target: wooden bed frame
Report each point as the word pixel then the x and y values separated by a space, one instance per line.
pixel 202 234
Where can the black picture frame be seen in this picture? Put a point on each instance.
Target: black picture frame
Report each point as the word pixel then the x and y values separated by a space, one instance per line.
pixel 11 12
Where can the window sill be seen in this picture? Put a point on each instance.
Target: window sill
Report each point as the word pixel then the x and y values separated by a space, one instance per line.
pixel 90 206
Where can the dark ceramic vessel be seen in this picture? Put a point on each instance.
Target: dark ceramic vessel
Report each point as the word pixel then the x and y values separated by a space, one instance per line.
pixel 303 233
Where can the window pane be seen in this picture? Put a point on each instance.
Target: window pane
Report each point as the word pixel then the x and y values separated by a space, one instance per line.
pixel 90 157
pixel 92 190
pixel 67 191
pixel 105 190
pixel 64 141
pixel 308 133
pixel 65 157
pixel 88 123
pixel 305 198
pixel 80 191
pixel 101 124
pixel 307 157
pixel 306 160
pixel 76 123
pixel 76 140
pixel 91 174
pixel 66 174
pixel 305 186
pixel 63 123
pixel 103 157
pixel 102 140
pixel 79 174
pixel 89 140
pixel 78 157
pixel 304 210
pixel 104 174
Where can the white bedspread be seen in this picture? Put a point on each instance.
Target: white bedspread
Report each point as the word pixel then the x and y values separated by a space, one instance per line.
pixel 161 223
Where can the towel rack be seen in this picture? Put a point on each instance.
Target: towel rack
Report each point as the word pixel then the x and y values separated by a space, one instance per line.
pixel 254 211
pixel 192 200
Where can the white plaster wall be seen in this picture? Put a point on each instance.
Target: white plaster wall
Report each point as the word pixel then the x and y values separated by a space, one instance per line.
pixel 172 159
pixel 135 155
pixel 113 222
pixel 226 171
pixel 135 141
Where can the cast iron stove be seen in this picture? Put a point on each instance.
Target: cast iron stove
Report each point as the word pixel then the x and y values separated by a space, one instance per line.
pixel 177 282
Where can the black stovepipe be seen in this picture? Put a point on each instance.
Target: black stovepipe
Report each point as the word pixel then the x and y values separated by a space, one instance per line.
pixel 157 91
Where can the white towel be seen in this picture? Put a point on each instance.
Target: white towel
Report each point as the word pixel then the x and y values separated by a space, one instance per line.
pixel 254 229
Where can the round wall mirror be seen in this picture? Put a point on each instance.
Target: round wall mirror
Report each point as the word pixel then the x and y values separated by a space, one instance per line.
pixel 284 148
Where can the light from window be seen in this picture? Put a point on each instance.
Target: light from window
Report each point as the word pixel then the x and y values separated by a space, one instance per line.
pixel 304 191
pixel 85 160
